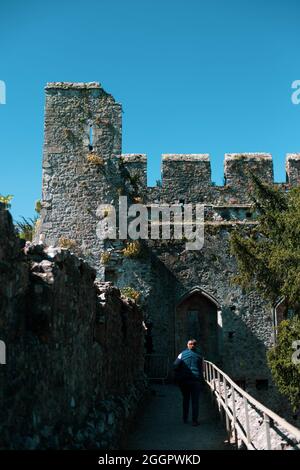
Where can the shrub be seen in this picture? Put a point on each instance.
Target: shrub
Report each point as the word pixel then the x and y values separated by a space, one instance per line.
pixel 132 249
pixel 105 257
pixel 66 243
pixel 130 293
pixel 94 159
pixel 38 206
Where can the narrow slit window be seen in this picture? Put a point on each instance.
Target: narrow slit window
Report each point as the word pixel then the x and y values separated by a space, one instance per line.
pixel 91 138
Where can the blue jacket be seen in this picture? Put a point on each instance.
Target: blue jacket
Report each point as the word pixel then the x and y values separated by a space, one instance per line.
pixel 188 366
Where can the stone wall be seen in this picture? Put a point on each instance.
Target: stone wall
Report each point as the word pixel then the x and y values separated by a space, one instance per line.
pixel 74 374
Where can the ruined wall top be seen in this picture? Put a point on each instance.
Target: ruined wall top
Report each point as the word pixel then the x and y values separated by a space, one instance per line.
pixel 186 157
pixel 72 85
pixel 187 177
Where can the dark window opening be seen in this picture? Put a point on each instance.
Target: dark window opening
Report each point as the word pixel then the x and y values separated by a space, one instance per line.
pixel 262 384
pixel 91 138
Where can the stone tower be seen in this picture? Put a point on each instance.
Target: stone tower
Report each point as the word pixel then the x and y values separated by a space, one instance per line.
pixel 82 147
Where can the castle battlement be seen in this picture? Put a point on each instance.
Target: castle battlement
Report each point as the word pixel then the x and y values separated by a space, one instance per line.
pixel 82 117
pixel 186 174
pixel 83 166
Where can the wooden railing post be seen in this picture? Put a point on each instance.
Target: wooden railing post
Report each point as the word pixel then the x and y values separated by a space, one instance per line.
pixel 214 378
pixel 219 394
pixel 234 431
pixel 226 403
pixel 247 420
pixel 267 429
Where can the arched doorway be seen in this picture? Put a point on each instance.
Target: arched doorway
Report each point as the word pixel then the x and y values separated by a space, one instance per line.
pixel 198 315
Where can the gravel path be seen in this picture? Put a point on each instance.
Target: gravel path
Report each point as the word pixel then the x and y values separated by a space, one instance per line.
pixel 160 427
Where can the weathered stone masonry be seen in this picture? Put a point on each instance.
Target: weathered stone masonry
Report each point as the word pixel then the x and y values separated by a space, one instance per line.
pixel 183 292
pixel 74 374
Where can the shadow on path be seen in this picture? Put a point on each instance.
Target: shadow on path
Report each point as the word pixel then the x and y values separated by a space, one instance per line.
pixel 159 425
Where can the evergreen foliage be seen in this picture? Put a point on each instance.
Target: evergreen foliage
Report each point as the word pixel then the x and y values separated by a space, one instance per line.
pixel 268 258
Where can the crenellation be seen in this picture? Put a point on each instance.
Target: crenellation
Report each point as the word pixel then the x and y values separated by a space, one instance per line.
pixel 136 165
pixel 237 168
pixel 185 176
pixel 292 168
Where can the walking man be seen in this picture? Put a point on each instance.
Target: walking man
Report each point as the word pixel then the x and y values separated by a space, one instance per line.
pixel 188 375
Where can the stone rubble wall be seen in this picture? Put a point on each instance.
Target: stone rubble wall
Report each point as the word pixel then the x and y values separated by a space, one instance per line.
pixel 74 373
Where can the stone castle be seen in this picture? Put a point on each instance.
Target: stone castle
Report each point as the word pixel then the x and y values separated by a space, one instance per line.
pixel 183 293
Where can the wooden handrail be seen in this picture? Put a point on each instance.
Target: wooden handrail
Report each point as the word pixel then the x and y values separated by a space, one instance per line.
pixel 211 372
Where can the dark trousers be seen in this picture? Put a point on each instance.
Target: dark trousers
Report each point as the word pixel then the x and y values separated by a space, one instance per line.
pixel 190 390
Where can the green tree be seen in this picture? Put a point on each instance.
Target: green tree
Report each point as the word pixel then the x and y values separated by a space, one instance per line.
pixel 268 255
pixel 285 371
pixel 268 259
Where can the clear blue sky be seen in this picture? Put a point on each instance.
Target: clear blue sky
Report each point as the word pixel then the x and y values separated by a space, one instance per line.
pixel 193 76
